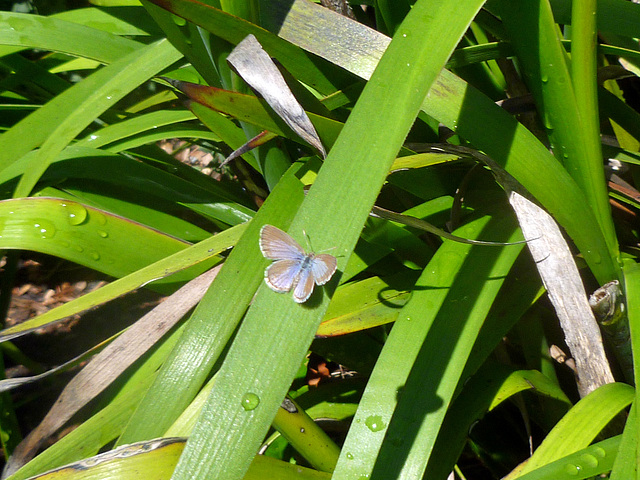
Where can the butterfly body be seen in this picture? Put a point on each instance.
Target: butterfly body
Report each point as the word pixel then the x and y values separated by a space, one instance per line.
pixel 292 267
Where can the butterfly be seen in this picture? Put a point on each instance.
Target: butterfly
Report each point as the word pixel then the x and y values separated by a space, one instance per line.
pixel 293 268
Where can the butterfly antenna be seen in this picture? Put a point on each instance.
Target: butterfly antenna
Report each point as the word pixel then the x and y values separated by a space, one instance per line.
pixel 311 246
pixel 304 232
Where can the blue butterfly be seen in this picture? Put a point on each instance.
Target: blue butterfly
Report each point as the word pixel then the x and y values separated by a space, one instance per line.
pixel 293 268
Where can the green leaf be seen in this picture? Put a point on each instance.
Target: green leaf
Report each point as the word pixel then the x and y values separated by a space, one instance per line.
pixel 365 304
pixel 422 360
pixel 626 464
pixel 69 113
pixel 152 186
pixel 82 234
pixel 581 424
pixel 491 385
pixel 576 145
pixel 589 462
pixel 19 31
pixel 133 126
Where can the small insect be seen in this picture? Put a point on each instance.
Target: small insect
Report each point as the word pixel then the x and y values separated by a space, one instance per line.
pixel 293 268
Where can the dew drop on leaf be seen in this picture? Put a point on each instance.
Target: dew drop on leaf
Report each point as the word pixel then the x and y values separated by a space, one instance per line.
pixel 76 213
pixel 374 423
pixel 250 401
pixel 571 469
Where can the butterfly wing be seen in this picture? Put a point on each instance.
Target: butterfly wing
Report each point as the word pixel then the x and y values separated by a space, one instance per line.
pixel 281 275
pixel 292 267
pixel 323 267
pixel 277 245
pixel 304 287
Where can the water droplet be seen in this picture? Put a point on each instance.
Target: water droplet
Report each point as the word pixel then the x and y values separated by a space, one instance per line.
pixel 92 138
pixel 349 456
pixel 44 228
pixel 544 78
pixel 95 256
pixel 76 213
pixel 64 243
pixel 589 460
pixel 78 248
pixel 599 452
pixel 301 430
pixel 571 469
pixel 374 423
pixel 250 401
pixel 363 477
pixel 181 22
pixel 103 234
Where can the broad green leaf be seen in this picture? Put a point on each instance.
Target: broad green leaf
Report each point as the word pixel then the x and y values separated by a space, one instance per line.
pixel 69 113
pixel 82 234
pixel 133 126
pixel 581 424
pixel 160 215
pixel 156 458
pixel 626 464
pixel 120 22
pixel 153 186
pixel 491 385
pixel 413 383
pixel 365 304
pixel 575 144
pixel 19 31
pixel 588 462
